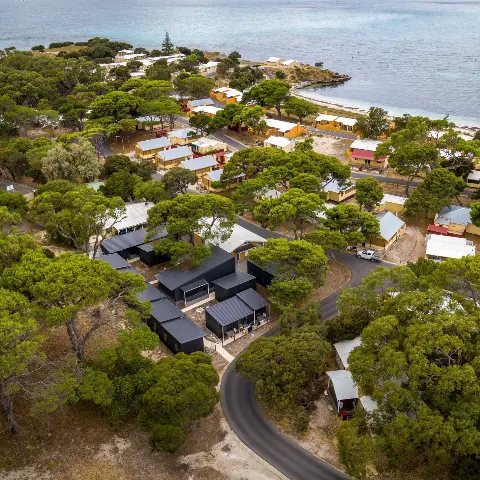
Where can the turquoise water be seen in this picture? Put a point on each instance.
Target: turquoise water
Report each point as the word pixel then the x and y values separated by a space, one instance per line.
pixel 409 56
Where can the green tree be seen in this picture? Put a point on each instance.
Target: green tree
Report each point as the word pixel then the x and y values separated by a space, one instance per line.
pixel 298 107
pixel 167 45
pixel 8 219
pixel 269 93
pixel 116 163
pixel 151 191
pixel 117 105
pixel 292 319
pixel 161 110
pixel 121 184
pixel 230 116
pixel 374 124
pixel 200 122
pixel 327 239
pixel 196 86
pixel 14 201
pixel 177 180
pixel 13 163
pixel 369 193
pixel 254 119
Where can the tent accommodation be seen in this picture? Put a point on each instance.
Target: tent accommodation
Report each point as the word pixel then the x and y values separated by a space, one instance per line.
pixel 391 228
pixel 343 392
pixel 343 351
pixel 173 157
pixel 236 313
pixel 127 245
pixel 228 286
pixel 147 149
pixel 219 264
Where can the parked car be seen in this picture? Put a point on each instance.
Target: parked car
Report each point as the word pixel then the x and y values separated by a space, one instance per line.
pixel 371 255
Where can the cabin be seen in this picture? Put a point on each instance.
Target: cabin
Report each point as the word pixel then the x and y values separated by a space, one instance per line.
pixel 264 275
pixel 181 285
pixel 204 146
pixel 392 203
pixel 240 242
pixel 278 128
pixel 337 192
pixel 343 392
pixel 116 261
pixel 150 294
pixel 174 329
pixel 391 229
pixel 208 110
pixel 215 176
pixel 127 245
pixel 228 286
pixel 227 95
pixel 344 124
pixel 173 157
pixel 325 122
pixel 282 143
pixel 290 63
pixel 208 68
pixel 182 137
pixel 473 179
pixel 236 314
pixel 202 102
pixel 148 256
pixel 441 247
pixel 136 215
pixel 343 351
pixel 27 192
pixel 200 165
pixel 147 149
pixel 362 153
pixel 457 220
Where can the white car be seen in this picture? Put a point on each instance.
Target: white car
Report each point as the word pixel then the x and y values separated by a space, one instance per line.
pixel 371 255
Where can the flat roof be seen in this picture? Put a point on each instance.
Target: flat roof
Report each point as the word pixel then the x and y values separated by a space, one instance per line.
pixel 177 277
pixel 135 214
pixel 174 153
pixel 206 142
pixel 345 348
pixel 184 330
pixel 154 143
pixel 279 141
pixel 449 247
pixel 129 240
pixel 253 299
pixel 343 384
pixel 365 144
pixel 115 261
pixel 207 109
pixel 165 311
pixel 200 162
pixel 229 311
pixel 233 280
pixel 389 224
pixel 150 294
pixel 393 199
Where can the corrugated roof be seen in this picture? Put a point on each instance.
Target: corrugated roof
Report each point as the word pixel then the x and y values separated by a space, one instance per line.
pixel 350 122
pixel 454 214
pixel 206 109
pixel 363 154
pixel 165 310
pixel 146 247
pixel 173 153
pixel 280 125
pixel 335 187
pixel 177 277
pixel 115 261
pixel 281 142
pixel 202 101
pixel 393 199
pixel 184 330
pixel 253 299
pixel 389 225
pixel 200 162
pixel 194 285
pixel 345 348
pixel 135 214
pixel 365 144
pixel 150 118
pixel 181 133
pixel 238 237
pixel 229 311
pixel 449 247
pixel 343 384
pixel 233 280
pixel 150 294
pixel 129 240
pixel 154 143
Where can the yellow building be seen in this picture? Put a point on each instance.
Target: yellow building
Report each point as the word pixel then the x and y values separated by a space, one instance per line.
pixel 473 179
pixel 345 124
pixel 227 95
pixel 214 176
pixel 201 165
pixel 392 203
pixel 326 122
pixel 457 220
pixel 205 110
pixel 181 137
pixel 202 102
pixel 278 128
pixel 362 153
pixel 391 229
pixel 337 193
pixel 173 157
pixel 281 143
pixel 147 149
pixel 206 145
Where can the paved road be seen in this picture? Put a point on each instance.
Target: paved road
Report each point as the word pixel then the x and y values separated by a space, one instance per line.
pixel 246 418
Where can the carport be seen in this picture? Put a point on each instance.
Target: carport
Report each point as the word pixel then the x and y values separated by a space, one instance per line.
pixel 195 291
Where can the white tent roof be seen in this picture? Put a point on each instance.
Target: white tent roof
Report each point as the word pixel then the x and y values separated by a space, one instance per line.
pixel 343 384
pixel 289 62
pixel 449 247
pixel 345 348
pixel 278 141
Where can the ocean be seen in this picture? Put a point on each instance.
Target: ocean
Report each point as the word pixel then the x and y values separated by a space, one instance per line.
pixel 409 56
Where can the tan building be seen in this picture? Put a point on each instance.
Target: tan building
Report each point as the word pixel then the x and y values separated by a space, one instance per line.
pixel 209 110
pixel 391 229
pixel 147 149
pixel 214 176
pixel 278 128
pixel 227 95
pixel 457 220
pixel 183 136
pixel 392 203
pixel 362 153
pixel 200 165
pixel 337 193
pixel 173 157
pixel 281 143
pixel 206 145
pixel 473 179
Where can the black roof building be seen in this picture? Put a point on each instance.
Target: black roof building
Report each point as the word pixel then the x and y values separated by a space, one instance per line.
pixel 150 294
pixel 264 275
pixel 149 257
pixel 240 311
pixel 229 286
pixel 115 261
pixel 219 264
pixel 127 245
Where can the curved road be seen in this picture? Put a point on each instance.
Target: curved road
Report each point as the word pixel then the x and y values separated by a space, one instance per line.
pixel 248 421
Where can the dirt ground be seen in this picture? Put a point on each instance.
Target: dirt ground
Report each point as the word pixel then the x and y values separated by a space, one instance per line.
pixel 328 145
pixel 149 272
pixel 409 248
pixel 237 346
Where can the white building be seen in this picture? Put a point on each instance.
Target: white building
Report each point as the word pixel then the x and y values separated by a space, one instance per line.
pixel 441 247
pixel 283 143
pixel 207 110
pixel 344 349
pixel 207 68
pixel 135 217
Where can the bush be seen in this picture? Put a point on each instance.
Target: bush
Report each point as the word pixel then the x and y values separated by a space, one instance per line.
pixel 60 44
pixel 81 44
pixel 280 75
pixel 168 438
pixel 38 47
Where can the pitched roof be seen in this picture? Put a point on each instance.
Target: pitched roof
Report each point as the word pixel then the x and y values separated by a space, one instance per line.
pixel 215 175
pixel 150 294
pixel 174 153
pixel 474 175
pixel 280 125
pixel 184 330
pixel 278 141
pixel 325 117
pixel 206 109
pixel 115 261
pixel 239 236
pixel 177 277
pixel 389 225
pixel 206 142
pixel 129 240
pixel 165 310
pixel 273 59
pixel 154 143
pixel 253 299
pixel 233 280
pixel 229 311
pixel 202 101
pixel 181 133
pixel 150 118
pixel 350 122
pixel 200 162
pixel 393 199
pixel 454 214
pixel 343 384
pixel 135 214
pixel 345 348
pixel 449 247
pixel 335 187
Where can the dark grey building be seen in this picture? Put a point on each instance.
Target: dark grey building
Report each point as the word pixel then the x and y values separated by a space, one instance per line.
pixel 115 261
pixel 264 275
pixel 149 257
pixel 229 286
pixel 150 294
pixel 127 245
pixel 219 264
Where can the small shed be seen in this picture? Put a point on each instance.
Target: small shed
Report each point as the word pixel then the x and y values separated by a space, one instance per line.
pixel 150 294
pixel 174 156
pixel 232 314
pixel 219 264
pixel 228 286
pixel 391 228
pixel 343 391
pixel 127 245
pixel 149 257
pixel 264 275
pixel 182 335
pixel 344 349
pixel 200 165
pixel 116 261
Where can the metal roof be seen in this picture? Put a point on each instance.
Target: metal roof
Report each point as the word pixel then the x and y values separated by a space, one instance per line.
pixel 129 269
pixel 129 240
pixel 278 141
pixel 184 330
pixel 389 225
pixel 454 214
pixel 345 348
pixel 253 299
pixel 153 143
pixel 174 153
pixel 393 199
pixel 365 144
pixel 233 280
pixel 200 162
pixel 194 285
pixel 146 247
pixel 177 277
pixel 449 247
pixel 280 125
pixel 115 261
pixel 181 133
pixel 135 214
pixel 150 294
pixel 343 384
pixel 202 101
pixel 229 311
pixel 335 187
pixel 239 237
pixel 165 310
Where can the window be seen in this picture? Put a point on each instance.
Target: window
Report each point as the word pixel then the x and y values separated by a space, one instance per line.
pixel 165 337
